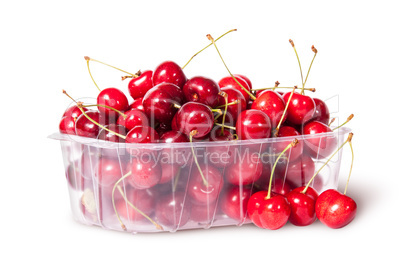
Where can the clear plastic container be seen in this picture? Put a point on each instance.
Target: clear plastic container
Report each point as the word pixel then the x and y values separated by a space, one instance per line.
pixel 164 189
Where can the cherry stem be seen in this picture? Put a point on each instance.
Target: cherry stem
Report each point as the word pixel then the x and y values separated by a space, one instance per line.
pixel 176 105
pixel 284 111
pixel 206 47
pixel 89 70
pixel 298 60
pixel 225 126
pixel 132 76
pixel 64 92
pixel 228 104
pixel 176 180
pixel 219 111
pixel 308 72
pixel 294 143
pixel 193 133
pixel 91 59
pixel 281 87
pixel 347 120
pixel 107 107
pixel 329 159
pixel 224 95
pixel 332 121
pixel 248 92
pixel 351 165
pixel 113 202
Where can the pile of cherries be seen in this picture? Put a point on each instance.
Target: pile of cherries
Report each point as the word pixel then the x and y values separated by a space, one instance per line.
pixel 171 191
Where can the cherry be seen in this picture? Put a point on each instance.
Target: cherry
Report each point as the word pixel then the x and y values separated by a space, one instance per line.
pixel 88 206
pixel 195 116
pixel 302 203
pixel 85 127
pixel 169 72
pixel 139 86
pixel 133 118
pixel 229 82
pixel 321 111
pixel 73 111
pixel 137 104
pixel 301 108
pixel 203 214
pixel 175 155
pixel 200 192
pixel 271 103
pixel 173 137
pixel 171 211
pixel 108 171
pixel 238 104
pixel 221 155
pixel 245 170
pixel 67 125
pixel 114 98
pixel 293 153
pixel 169 171
pixel 160 103
pixel 109 136
pixel 142 134
pixel 320 146
pixel 74 177
pixel 253 124
pixel 234 202
pixel 143 173
pixel 203 90
pixel 300 171
pixel 245 78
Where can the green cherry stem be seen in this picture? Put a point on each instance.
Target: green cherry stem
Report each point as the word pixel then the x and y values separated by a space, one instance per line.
pixel 229 104
pixel 206 47
pixel 91 59
pixel 247 91
pixel 332 121
pixel 113 201
pixel 343 124
pixel 329 159
pixel 107 107
pixel 89 70
pixel 193 133
pixel 224 95
pixel 308 72
pixel 351 165
pixel 225 126
pixel 284 111
pixel 294 143
pixel 298 60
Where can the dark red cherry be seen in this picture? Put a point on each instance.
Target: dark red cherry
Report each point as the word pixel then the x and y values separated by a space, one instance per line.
pixel 233 110
pixel 137 104
pixel 231 83
pixel 300 171
pixel 173 137
pixel 67 125
pixel 272 104
pixel 143 200
pixel 109 136
pixel 253 124
pixel 245 78
pixel 169 171
pixel 202 90
pixel 74 111
pixel 108 171
pixel 302 206
pixel 320 146
pixel 245 170
pixel 234 202
pixel 114 98
pixel 301 108
pixel 221 155
pixel 198 191
pixel 294 152
pixel 195 116
pixel 169 72
pixel 176 155
pixel 171 210
pixel 85 127
pixel 139 86
pixel 160 102
pixel 142 134
pixel 134 117
pixel 145 173
pixel 321 111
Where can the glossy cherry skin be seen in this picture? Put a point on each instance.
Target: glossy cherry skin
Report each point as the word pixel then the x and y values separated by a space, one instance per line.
pixel 108 171
pixel 195 116
pixel 233 111
pixel 169 72
pixel 159 102
pixel 114 98
pixel 294 152
pixel 137 104
pixel 244 171
pixel 139 86
pixel 245 78
pixel 303 206
pixel 335 209
pixel 142 134
pixel 300 171
pixel 171 211
pixel 74 111
pixel 234 202
pixel 203 90
pixel 134 117
pixel 321 146
pixel 253 124
pixel 199 193
pixel 272 213
pixel 231 83
pixel 301 108
pixel 272 104
pixel 67 125
pixel 85 127
pixel 222 155
pixel 109 136
pixel 145 173
pixel 321 111
pixel 143 200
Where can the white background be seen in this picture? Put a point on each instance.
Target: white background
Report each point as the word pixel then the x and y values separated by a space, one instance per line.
pixel 42 45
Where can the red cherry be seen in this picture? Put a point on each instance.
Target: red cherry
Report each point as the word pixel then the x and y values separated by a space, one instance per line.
pixel 145 173
pixel 321 146
pixel 142 134
pixel 108 171
pixel 222 155
pixel 195 116
pixel 85 127
pixel 272 104
pixel 301 108
pixel 169 72
pixel 321 111
pixel 74 111
pixel 271 213
pixel 245 78
pixel 203 214
pixel 253 124
pixel 139 86
pixel 245 170
pixel 67 125
pixel 134 117
pixel 234 202
pixel 143 200
pixel 109 136
pixel 231 83
pixel 234 110
pixel 300 171
pixel 137 104
pixel 74 177
pixel 302 205
pixel 160 102
pixel 114 98
pixel 169 171
pixel 335 209
pixel 198 191
pixel 202 90
pixel 171 211
pixel 294 152
pixel 281 187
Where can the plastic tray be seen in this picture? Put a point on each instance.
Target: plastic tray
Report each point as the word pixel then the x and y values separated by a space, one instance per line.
pixel 179 200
